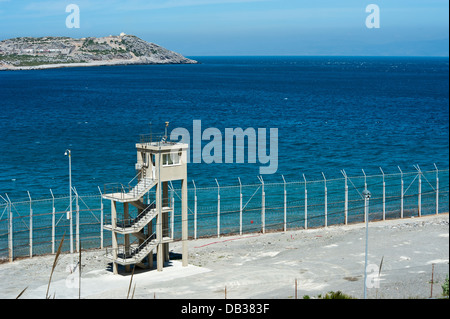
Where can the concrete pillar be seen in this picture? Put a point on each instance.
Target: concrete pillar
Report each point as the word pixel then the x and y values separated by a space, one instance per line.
pixel 165 219
pixel 159 230
pixel 114 235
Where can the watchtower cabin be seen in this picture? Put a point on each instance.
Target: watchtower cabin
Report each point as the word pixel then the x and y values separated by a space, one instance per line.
pixel 158 163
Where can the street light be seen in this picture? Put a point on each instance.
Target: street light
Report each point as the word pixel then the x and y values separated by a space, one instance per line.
pixel 366 195
pixel 69 215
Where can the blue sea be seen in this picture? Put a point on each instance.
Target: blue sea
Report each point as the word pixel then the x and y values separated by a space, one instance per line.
pixel 332 113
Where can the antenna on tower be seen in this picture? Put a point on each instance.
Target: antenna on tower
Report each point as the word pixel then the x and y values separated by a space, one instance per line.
pixel 165 135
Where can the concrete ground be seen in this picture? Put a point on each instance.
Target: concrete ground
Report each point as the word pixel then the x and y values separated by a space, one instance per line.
pixel 262 266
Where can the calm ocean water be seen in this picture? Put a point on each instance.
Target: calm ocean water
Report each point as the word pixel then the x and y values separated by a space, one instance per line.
pixel 332 113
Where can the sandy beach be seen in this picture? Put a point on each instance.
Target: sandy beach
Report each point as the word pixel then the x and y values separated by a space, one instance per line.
pixel 262 266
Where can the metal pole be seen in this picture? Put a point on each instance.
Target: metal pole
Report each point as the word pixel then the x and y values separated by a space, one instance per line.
pixel 365 179
pixel 77 221
pixel 240 206
pixel 366 195
pixel 69 216
pixel 53 222
pixel 285 203
pixel 70 199
pixel 401 193
pixel 10 231
pixel 195 210
pixel 345 197
pixel 263 206
pixel 218 208
pixel 31 227
pixel 306 204
pixel 437 190
pixel 384 195
pixel 101 217
pixel 172 213
pixel 326 200
pixel 419 199
pixel 365 188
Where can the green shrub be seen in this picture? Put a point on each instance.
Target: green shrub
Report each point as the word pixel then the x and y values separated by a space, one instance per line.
pixel 445 287
pixel 336 295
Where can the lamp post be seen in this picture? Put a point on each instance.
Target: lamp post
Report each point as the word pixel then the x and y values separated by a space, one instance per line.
pixel 366 195
pixel 69 215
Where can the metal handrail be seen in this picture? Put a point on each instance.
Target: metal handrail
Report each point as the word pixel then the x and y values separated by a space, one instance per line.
pixel 155 139
pixel 144 182
pixel 118 188
pixel 150 138
pixel 130 222
pixel 130 251
pixel 114 188
pixel 129 183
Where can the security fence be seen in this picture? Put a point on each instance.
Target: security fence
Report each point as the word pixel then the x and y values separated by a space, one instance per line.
pixel 35 227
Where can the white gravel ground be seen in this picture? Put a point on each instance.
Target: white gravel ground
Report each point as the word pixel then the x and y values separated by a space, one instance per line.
pixel 262 266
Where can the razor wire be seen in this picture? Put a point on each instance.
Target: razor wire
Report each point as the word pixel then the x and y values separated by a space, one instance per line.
pixel 34 226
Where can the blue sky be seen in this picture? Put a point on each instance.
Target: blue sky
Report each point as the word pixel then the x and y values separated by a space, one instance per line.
pixel 245 27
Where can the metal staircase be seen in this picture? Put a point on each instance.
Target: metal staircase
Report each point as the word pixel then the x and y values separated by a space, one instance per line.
pixel 133 193
pixel 142 187
pixel 135 225
pixel 120 193
pixel 133 254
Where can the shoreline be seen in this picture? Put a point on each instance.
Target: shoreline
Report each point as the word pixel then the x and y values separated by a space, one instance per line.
pixel 89 64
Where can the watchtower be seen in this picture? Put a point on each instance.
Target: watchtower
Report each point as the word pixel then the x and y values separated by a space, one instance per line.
pixel 158 163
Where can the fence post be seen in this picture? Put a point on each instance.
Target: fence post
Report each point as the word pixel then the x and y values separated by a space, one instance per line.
pixel 437 189
pixel 31 227
pixel 365 188
pixel 419 199
pixel 384 195
pixel 10 231
pixel 401 193
pixel 195 210
pixel 326 200
pixel 218 208
pixel 306 204
pixel 285 203
pixel 101 217
pixel 172 214
pixel 53 222
pixel 263 206
pixel 240 206
pixel 77 226
pixel 345 197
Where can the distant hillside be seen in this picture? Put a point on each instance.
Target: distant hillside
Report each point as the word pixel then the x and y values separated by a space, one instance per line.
pixel 50 52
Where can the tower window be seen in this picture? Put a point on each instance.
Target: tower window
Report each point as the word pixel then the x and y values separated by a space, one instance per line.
pixel 171 159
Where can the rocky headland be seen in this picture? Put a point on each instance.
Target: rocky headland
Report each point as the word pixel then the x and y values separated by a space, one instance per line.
pixel 26 53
